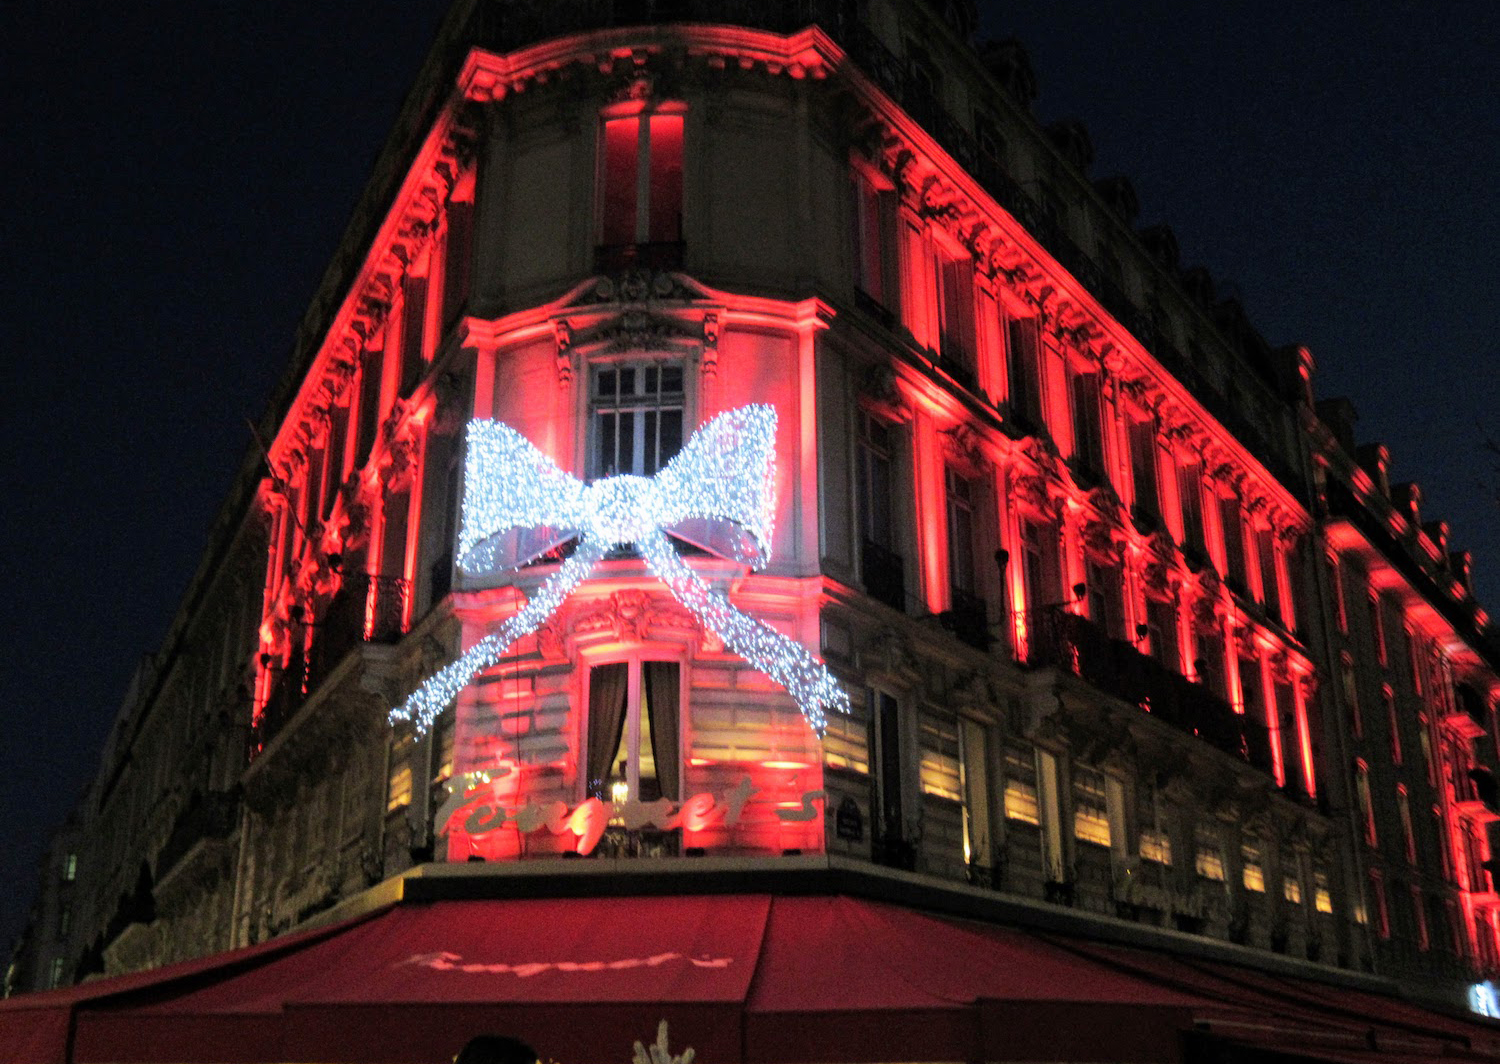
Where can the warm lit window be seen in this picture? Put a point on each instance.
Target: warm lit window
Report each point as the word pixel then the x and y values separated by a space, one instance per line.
pixel 442 754
pixel 636 417
pixel 1090 807
pixel 398 781
pixel 633 726
pixel 974 760
pixel 1208 857
pixel 1322 897
pixel 1156 846
pixel 1291 889
pixel 939 770
pixel 1020 786
pixel 1252 872
pixel 641 179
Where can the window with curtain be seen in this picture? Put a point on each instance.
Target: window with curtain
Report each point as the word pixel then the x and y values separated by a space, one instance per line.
pixel 633 728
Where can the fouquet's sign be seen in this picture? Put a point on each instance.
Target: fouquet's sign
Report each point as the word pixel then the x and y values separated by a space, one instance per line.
pixel 480 809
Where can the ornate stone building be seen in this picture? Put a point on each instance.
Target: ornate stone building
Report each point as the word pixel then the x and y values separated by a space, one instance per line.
pixel 1056 518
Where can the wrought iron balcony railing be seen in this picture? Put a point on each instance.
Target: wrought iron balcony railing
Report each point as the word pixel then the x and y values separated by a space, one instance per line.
pixel 1058 639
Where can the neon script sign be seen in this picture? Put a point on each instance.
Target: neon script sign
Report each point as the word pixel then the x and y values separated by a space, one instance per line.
pixel 479 810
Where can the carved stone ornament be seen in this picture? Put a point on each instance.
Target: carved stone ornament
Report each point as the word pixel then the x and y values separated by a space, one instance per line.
pixel 710 345
pixel 562 337
pixel 961 447
pixel 879 389
pixel 1030 489
pixel 449 392
pixel 1157 576
pixel 890 653
pixel 1205 612
pixel 631 616
pixel 1102 538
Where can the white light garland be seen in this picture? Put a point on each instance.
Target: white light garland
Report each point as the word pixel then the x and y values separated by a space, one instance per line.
pixel 725 473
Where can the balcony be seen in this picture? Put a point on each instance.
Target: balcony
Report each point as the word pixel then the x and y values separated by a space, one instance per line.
pixel 968 618
pixel 883 573
pixel 208 817
pixel 365 609
pixel 1058 639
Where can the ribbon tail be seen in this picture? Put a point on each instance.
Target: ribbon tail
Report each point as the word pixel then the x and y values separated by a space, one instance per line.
pixel 438 690
pixel 784 660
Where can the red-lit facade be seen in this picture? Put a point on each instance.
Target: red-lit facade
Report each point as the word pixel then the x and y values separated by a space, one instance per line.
pixel 1055 518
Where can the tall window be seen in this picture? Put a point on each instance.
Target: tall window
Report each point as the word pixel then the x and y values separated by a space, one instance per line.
pixel 1155 843
pixel 1377 627
pixel 1208 856
pixel 960 491
pixel 1252 870
pixel 954 284
pixel 1265 541
pixel 872 236
pixel 1024 370
pixel 1403 806
pixel 1161 631
pixel 1350 690
pixel 1021 802
pixel 1366 805
pixel 1105 597
pixel 885 745
pixel 1143 466
pixel 1039 564
pixel 641 179
pixel 637 413
pixel 881 566
pixel 1190 491
pixel 1234 539
pixel 1394 721
pixel 633 727
pixel 1088 426
pixel 1090 807
pixel 974 761
pixel 1336 578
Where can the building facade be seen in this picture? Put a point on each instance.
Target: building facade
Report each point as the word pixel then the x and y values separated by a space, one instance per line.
pixel 1126 624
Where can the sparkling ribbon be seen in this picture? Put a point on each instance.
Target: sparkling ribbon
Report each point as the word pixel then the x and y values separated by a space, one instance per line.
pixel 518 504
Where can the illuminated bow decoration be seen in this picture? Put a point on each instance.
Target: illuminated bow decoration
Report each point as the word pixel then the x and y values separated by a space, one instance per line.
pixel 725 473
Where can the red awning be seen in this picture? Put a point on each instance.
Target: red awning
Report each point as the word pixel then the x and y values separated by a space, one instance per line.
pixel 751 978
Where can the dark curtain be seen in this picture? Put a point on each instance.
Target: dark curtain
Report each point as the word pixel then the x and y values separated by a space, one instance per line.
pixel 663 690
pixel 607 690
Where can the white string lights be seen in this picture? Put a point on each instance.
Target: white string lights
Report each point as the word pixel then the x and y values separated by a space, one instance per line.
pixel 725 473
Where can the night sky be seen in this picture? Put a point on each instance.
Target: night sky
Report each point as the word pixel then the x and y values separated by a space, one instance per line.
pixel 177 174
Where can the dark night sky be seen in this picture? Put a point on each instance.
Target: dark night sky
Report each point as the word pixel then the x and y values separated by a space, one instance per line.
pixel 177 174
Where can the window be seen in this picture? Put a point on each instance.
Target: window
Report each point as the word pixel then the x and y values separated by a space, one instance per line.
pixel 1382 914
pixel 1024 370
pixel 1105 598
pixel 1234 539
pixel 1208 858
pixel 1389 697
pixel 960 492
pixel 70 868
pixel 882 569
pixel 1252 872
pixel 633 726
pixel 1419 908
pixel 1190 491
pixel 1090 807
pixel 442 755
pixel 1161 631
pixel 885 742
pixel 1039 564
pixel 636 417
pixel 65 921
pixel 953 282
pixel 1020 786
pixel 974 760
pixel 1088 427
pixel 1322 898
pixel 1366 807
pixel 939 770
pixel 872 235
pixel 1143 467
pixel 641 179
pixel 1414 661
pixel 1208 662
pixel 398 779
pixel 1291 889
pixel 1270 587
pixel 1377 627
pixel 1336 578
pixel 1156 846
pixel 1403 807
pixel 55 975
pixel 1349 687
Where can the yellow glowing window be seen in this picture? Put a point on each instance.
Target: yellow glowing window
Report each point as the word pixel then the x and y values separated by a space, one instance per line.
pixel 1155 846
pixel 398 793
pixel 1322 899
pixel 1252 875
pixel 1291 890
pixel 1361 914
pixel 1020 788
pixel 1090 808
pixel 1208 860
